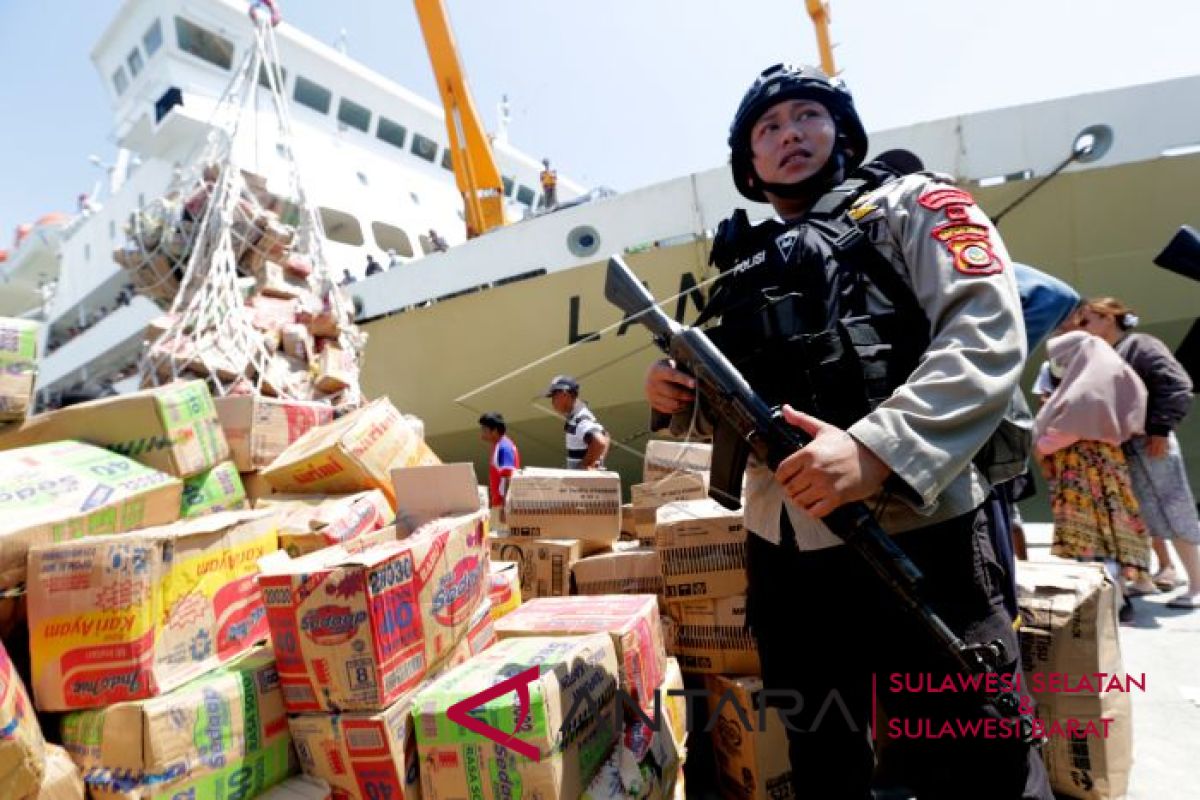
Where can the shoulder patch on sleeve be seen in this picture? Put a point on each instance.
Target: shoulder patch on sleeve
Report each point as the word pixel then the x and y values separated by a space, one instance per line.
pixel 968 241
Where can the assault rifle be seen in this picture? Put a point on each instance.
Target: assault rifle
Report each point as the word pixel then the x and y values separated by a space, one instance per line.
pixel 743 424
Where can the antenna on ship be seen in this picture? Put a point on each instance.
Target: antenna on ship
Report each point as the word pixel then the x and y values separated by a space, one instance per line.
pixel 342 41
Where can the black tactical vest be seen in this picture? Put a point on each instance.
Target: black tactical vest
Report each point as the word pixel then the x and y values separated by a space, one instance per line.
pixel 812 313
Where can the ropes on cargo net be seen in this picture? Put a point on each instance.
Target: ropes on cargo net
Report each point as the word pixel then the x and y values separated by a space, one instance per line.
pixel 241 272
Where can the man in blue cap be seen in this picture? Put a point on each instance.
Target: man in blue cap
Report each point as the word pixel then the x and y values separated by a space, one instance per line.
pixel 587 442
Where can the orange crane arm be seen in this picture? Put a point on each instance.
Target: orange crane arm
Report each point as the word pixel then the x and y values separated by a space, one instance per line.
pixel 475 168
pixel 818 10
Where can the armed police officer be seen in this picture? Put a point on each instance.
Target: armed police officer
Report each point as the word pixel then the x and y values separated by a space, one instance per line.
pixel 880 311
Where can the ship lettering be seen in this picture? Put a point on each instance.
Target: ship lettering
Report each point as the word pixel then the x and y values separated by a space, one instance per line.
pixel 689 290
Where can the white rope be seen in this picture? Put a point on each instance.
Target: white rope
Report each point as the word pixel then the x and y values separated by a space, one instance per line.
pixel 191 267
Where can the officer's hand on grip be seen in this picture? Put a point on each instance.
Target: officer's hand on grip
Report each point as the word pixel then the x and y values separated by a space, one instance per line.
pixel 831 470
pixel 668 390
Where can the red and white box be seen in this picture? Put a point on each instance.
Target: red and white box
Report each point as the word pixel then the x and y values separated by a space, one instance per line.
pixel 353 631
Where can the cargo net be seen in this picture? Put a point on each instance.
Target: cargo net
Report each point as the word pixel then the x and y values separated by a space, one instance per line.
pixel 250 304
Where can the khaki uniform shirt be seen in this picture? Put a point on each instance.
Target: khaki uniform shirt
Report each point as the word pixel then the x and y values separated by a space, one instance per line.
pixel 950 255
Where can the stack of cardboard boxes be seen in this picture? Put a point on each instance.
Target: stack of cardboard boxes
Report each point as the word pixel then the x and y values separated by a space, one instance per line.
pixel 144 615
pixel 358 627
pixel 294 313
pixel 701 549
pixel 361 624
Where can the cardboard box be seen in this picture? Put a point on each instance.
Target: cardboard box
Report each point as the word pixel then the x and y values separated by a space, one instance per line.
pixel 308 524
pixel 565 504
pixel 62 780
pixel 22 748
pixel 751 764
pixel 648 497
pixel 362 756
pixel 355 631
pixel 352 454
pixel 711 637
pixel 504 587
pixel 665 457
pixel 544 565
pixel 297 342
pixel 702 547
pixel 631 621
pixel 425 493
pixel 574 672
pixel 172 429
pixel 336 369
pixel 61 491
pixel 219 489
pixel 256 488
pixel 222 731
pixel 18 367
pixel 114 618
pixel 643 766
pixel 628 531
pixel 481 634
pixel 628 569
pixel 1069 631
pixel 675 705
pixel 301 787
pixel 259 428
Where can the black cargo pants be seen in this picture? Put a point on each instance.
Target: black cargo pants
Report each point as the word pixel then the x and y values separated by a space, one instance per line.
pixel 830 633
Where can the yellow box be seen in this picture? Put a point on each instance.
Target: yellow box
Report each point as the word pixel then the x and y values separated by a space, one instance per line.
pixel 115 618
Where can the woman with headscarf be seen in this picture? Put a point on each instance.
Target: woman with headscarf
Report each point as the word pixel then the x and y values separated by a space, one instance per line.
pixel 1160 478
pixel 1098 404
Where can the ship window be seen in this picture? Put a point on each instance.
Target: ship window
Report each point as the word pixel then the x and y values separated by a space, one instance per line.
pixel 134 60
pixel 447 160
pixel 152 38
pixel 280 76
pixel 203 44
pixel 525 195
pixel 508 185
pixel 341 227
pixel 313 95
pixel 120 82
pixel 362 178
pixel 354 115
pixel 391 132
pixel 87 252
pixel 389 237
pixel 415 198
pixel 423 147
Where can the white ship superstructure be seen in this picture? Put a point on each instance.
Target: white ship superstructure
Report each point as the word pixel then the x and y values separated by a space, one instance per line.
pixel 372 155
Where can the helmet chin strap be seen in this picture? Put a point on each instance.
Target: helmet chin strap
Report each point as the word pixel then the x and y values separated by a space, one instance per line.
pixel 831 174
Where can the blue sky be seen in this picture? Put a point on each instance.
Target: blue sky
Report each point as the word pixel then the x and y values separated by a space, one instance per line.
pixel 625 92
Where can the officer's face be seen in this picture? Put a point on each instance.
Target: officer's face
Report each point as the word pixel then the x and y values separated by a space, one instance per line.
pixel 792 141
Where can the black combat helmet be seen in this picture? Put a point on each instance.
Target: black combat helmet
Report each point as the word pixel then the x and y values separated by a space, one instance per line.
pixel 787 82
